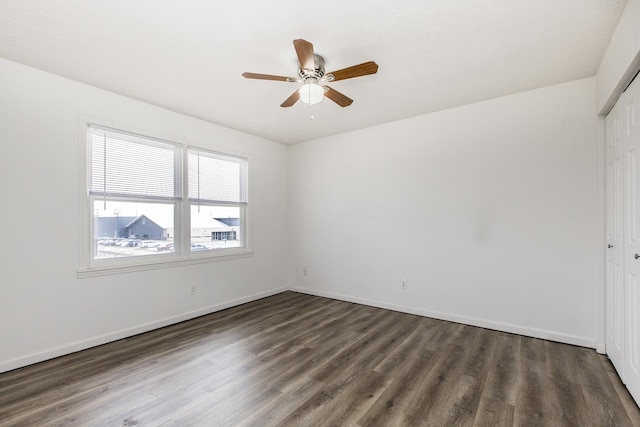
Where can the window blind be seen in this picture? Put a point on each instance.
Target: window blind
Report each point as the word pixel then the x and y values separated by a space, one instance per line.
pixel 128 165
pixel 215 178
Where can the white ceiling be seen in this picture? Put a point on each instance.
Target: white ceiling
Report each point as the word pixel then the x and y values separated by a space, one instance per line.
pixel 188 56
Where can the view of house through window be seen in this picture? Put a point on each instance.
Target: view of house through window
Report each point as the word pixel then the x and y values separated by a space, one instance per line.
pixel 132 229
pixel 136 197
pixel 215 227
pixel 124 229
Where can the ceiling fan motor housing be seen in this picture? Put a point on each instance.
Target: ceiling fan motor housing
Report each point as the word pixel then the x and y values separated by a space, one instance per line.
pixel 315 75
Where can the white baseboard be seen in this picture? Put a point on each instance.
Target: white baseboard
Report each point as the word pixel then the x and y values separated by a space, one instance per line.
pixel 124 333
pixel 498 326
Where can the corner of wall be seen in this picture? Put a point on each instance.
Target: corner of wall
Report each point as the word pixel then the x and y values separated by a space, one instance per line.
pixel 621 60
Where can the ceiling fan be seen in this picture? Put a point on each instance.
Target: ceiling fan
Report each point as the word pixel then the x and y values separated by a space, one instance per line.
pixel 311 73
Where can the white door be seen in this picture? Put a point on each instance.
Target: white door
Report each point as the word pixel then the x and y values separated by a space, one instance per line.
pixel 631 138
pixel 615 301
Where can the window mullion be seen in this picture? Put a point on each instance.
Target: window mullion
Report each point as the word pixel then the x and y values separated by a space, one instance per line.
pixel 104 171
pixel 184 214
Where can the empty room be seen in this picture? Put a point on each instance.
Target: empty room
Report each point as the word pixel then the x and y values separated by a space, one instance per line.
pixel 365 213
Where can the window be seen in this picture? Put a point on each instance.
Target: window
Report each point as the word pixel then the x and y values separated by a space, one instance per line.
pixel 216 196
pixel 156 201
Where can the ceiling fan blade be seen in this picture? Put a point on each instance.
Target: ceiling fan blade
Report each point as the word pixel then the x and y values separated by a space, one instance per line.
pixel 304 49
pixel 337 97
pixel 291 100
pixel 363 69
pixel 266 77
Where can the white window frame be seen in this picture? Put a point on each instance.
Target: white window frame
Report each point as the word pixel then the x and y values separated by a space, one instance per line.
pixel 183 255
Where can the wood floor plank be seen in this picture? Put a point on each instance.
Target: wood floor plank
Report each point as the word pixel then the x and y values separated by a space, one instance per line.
pixel 411 348
pixel 493 413
pixel 610 411
pixel 503 377
pixel 387 326
pixel 439 378
pixel 565 402
pixel 390 405
pixel 361 395
pixel 529 407
pixel 274 412
pixel 481 353
pixel 334 402
pixel 296 359
pixel 458 404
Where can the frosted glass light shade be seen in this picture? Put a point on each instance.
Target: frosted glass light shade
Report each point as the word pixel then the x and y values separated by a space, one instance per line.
pixel 311 93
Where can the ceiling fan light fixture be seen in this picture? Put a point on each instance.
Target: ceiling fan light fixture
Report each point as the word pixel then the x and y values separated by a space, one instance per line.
pixel 311 93
pixel 311 73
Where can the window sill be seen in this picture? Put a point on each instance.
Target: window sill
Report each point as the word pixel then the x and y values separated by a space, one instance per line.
pixel 96 271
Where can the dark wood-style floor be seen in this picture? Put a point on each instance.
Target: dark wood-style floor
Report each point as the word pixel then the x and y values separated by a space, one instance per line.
pixel 301 360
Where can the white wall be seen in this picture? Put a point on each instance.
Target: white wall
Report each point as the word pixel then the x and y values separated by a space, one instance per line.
pixel 45 310
pixel 621 60
pixel 489 211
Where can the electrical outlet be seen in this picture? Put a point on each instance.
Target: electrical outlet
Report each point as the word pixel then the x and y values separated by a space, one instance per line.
pixel 193 290
pixel 304 271
pixel 403 284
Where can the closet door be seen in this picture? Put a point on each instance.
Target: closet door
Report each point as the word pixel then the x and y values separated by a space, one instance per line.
pixel 631 132
pixel 615 301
